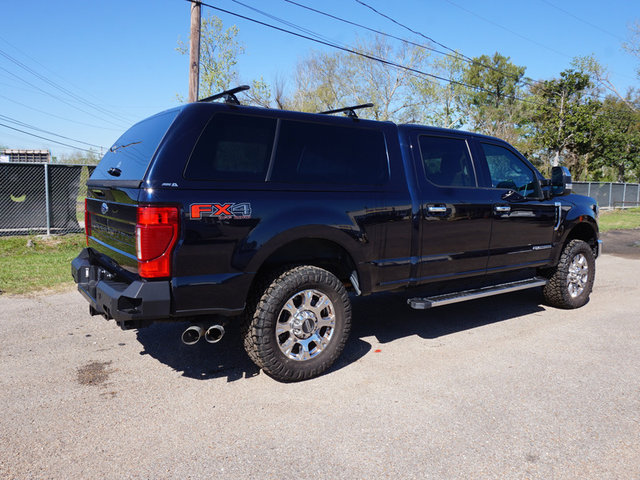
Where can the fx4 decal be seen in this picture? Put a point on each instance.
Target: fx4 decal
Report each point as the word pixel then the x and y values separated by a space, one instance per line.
pixel 220 210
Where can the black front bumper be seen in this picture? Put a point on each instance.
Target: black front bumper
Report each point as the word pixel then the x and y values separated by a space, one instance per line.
pixel 133 304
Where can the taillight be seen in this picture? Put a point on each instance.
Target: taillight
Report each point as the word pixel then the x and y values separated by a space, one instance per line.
pixel 156 235
pixel 87 222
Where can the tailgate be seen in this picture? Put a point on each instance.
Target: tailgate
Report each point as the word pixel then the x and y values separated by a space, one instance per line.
pixel 113 231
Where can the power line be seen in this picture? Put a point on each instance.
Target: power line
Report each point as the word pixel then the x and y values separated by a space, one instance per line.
pixel 285 22
pixel 58 116
pixel 61 88
pixel 44 67
pixel 365 55
pixel 415 32
pixel 546 47
pixel 329 41
pixel 593 25
pixel 47 139
pixel 58 98
pixel 26 125
pixel 518 34
pixel 456 55
pixel 526 81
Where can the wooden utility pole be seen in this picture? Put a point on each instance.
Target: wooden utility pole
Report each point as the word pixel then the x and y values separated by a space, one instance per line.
pixel 194 52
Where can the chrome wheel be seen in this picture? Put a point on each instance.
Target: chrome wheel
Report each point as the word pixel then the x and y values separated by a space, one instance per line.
pixel 578 275
pixel 305 325
pixel 571 280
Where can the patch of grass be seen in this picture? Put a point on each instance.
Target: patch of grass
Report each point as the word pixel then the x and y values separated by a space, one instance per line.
pixel 32 263
pixel 619 219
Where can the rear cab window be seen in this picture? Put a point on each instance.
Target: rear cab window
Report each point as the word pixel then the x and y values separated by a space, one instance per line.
pixel 246 148
pixel 233 148
pixel 314 153
pixel 131 154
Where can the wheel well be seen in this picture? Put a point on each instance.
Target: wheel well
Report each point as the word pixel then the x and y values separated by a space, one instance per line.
pixel 311 251
pixel 585 232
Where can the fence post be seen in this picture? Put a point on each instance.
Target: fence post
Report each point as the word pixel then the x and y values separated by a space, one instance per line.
pixel 638 196
pixel 589 189
pixel 46 197
pixel 610 193
pixel 624 194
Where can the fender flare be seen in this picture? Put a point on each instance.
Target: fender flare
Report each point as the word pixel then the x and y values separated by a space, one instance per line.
pixel 347 242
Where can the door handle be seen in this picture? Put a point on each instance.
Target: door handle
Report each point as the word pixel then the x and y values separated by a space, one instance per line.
pixel 436 209
pixel 502 208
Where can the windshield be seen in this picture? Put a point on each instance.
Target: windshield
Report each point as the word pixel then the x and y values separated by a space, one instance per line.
pixel 131 154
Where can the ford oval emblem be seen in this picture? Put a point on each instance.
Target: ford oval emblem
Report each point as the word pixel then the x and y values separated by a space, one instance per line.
pixel 104 208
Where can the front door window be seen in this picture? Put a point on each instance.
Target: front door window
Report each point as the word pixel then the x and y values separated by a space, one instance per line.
pixel 509 172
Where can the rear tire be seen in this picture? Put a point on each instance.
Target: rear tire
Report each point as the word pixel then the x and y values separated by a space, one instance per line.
pixel 571 281
pixel 299 325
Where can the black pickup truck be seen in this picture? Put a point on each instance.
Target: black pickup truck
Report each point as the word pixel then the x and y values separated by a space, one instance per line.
pixel 215 211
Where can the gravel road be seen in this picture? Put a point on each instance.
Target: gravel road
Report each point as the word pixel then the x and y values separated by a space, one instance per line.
pixel 502 388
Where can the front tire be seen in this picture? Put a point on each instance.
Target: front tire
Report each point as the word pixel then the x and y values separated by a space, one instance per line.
pixel 300 324
pixel 571 282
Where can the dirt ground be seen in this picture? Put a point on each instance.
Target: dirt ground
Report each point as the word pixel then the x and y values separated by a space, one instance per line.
pixel 622 243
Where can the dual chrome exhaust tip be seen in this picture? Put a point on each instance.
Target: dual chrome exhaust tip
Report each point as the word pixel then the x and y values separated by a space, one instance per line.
pixel 213 334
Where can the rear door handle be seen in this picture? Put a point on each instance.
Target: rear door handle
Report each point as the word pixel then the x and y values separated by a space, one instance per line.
pixel 502 208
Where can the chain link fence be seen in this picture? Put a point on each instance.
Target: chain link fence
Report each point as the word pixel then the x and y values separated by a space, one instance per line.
pixel 42 198
pixel 610 194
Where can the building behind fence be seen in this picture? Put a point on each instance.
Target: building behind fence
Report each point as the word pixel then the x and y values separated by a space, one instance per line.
pixel 609 194
pixel 42 198
pixel 31 156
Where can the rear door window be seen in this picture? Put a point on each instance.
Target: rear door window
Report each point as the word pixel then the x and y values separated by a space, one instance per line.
pixel 130 155
pixel 447 161
pixel 314 153
pixel 233 148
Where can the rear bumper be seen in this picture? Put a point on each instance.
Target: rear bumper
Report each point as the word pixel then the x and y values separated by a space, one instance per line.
pixel 132 305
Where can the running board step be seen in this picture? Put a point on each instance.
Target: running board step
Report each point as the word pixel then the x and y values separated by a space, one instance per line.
pixel 438 300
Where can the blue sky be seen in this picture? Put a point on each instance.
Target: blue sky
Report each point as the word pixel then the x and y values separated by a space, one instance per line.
pixel 116 61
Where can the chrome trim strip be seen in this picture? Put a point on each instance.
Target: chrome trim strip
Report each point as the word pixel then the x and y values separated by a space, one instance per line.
pixel 436 209
pixel 559 214
pixel 111 247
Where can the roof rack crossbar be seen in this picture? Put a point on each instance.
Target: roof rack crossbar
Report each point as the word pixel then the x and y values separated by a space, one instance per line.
pixel 228 95
pixel 349 111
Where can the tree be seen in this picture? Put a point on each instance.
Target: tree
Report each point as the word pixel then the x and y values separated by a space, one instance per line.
pixel 617 139
pixel 269 96
pixel 562 120
pixel 77 157
pixel 444 103
pixel 219 51
pixel 600 75
pixel 326 81
pixel 633 44
pixel 493 105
